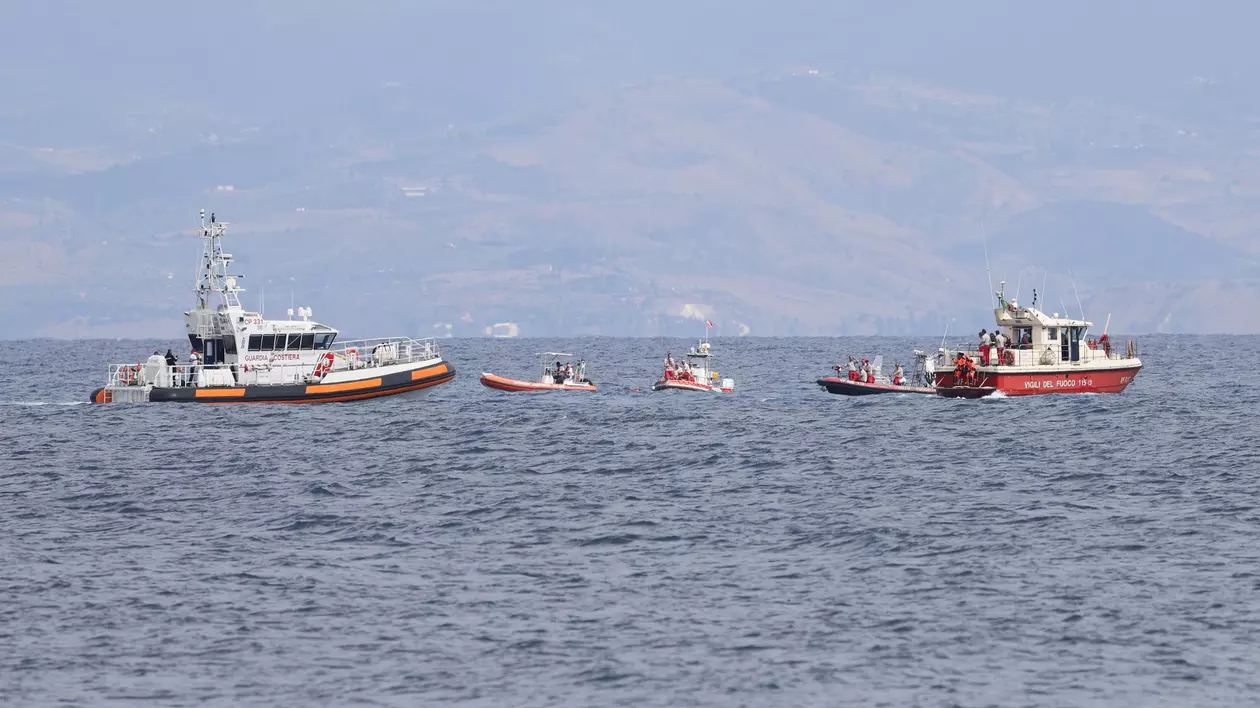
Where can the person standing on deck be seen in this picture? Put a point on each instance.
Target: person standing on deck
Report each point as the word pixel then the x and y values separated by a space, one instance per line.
pixel 194 360
pixel 171 361
pixel 984 347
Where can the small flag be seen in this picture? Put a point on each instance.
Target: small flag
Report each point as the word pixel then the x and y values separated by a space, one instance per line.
pixel 708 324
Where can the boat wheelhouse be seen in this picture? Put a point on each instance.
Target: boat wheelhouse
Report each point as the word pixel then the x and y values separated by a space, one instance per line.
pixel 239 356
pixel 1044 354
pixel 694 373
pixel 561 377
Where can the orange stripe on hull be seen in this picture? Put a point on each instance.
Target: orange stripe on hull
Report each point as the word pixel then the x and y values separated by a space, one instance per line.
pixel 220 393
pixel 435 370
pixel 347 386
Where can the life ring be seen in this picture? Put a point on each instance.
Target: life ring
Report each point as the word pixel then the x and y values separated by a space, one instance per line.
pixel 127 375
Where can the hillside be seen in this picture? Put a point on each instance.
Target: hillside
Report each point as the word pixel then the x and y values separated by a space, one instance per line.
pixel 784 192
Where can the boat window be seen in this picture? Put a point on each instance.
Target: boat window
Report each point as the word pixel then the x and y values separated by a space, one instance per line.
pixel 1052 334
pixel 308 342
pixel 229 345
pixel 255 342
pixel 295 340
pixel 268 342
pixel 324 341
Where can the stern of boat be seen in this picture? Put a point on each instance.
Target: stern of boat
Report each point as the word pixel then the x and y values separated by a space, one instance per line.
pixel 129 383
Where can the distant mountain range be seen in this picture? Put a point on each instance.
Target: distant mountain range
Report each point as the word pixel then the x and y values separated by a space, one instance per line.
pixel 581 190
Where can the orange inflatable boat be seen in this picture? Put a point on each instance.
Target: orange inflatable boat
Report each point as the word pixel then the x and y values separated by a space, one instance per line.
pixel 560 377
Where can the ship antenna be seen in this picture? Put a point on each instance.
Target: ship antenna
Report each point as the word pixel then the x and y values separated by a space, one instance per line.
pixel 1078 297
pixel 1045 275
pixel 946 335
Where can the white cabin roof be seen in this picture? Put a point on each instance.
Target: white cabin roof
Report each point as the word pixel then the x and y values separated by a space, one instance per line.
pixel 1015 316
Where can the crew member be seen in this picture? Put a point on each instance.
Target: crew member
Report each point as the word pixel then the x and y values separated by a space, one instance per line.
pixel 898 375
pixel 853 368
pixel 984 347
pixel 194 361
pixel 999 343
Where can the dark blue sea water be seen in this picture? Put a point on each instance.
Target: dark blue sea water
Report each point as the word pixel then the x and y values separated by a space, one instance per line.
pixel 775 547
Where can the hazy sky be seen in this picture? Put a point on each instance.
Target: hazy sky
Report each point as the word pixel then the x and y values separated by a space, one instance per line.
pixel 287 52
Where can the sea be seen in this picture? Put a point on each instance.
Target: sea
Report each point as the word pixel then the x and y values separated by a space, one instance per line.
pixel 778 546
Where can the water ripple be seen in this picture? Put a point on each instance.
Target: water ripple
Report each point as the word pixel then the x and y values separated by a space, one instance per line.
pixel 776 547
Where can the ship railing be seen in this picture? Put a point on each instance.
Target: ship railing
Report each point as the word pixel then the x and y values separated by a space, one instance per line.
pixel 186 375
pixel 353 354
pixel 384 351
pixel 1045 354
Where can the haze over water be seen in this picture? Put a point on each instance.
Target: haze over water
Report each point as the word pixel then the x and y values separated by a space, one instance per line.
pixel 775 547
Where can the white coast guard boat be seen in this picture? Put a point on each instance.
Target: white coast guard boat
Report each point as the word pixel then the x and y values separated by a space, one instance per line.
pixel 241 357
pixel 693 374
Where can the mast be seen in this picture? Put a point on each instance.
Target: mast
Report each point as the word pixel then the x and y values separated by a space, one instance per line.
pixel 216 291
pixel 213 276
